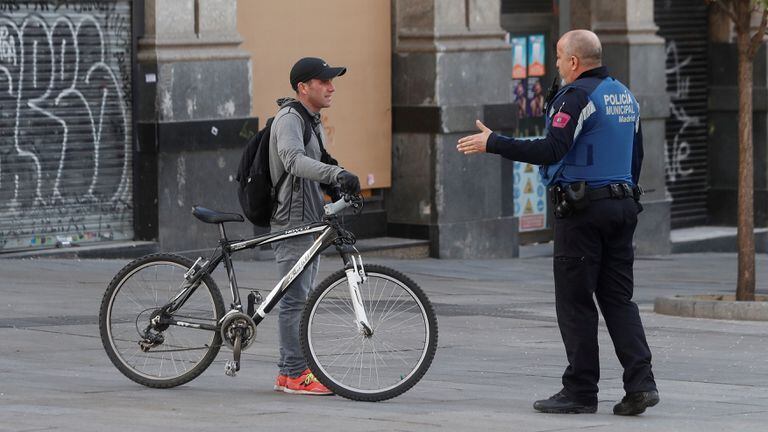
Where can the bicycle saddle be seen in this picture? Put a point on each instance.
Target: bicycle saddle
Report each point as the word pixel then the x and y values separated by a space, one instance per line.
pixel 213 216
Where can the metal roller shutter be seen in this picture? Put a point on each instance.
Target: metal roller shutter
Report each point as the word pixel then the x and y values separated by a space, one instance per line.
pixel 683 23
pixel 65 123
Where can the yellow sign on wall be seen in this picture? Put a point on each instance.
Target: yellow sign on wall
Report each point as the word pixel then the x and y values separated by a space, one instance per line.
pixel 530 197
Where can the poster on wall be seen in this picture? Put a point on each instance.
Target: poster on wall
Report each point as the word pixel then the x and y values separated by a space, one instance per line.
pixel 519 64
pixel 536 71
pixel 528 70
pixel 536 57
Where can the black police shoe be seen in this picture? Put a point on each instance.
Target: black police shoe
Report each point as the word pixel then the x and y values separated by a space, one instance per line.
pixel 560 403
pixel 636 403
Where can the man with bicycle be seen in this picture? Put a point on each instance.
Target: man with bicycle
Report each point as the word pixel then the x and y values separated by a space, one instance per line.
pixel 591 157
pixel 299 201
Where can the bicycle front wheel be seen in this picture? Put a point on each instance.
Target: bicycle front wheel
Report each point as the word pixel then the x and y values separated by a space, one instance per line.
pixel 134 296
pixel 379 366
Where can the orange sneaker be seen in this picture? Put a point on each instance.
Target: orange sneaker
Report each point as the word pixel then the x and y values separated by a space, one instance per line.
pixel 280 382
pixel 306 383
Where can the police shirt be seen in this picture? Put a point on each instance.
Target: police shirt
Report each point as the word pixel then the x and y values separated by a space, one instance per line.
pixel 593 134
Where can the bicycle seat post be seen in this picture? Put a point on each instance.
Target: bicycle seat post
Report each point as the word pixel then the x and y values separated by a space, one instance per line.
pixel 226 256
pixel 222 233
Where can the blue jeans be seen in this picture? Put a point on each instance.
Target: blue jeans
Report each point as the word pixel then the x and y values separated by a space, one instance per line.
pixel 287 253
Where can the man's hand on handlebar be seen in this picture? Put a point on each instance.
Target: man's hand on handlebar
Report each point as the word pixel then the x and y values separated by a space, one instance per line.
pixel 347 200
pixel 349 182
pixel 335 192
pixel 345 194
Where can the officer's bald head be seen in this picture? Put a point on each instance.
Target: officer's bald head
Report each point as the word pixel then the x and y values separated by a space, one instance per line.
pixel 584 45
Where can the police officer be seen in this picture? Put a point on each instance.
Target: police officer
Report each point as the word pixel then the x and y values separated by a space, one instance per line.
pixel 591 157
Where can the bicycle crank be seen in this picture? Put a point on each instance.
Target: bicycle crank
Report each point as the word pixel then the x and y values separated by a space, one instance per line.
pixel 232 366
pixel 237 323
pixel 238 331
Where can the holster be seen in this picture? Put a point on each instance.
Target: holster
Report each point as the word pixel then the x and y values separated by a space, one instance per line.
pixel 570 198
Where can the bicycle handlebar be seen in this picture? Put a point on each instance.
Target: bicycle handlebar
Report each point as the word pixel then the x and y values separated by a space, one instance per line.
pixel 338 206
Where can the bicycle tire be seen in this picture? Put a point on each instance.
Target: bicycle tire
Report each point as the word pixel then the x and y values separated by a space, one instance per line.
pixel 328 328
pixel 185 352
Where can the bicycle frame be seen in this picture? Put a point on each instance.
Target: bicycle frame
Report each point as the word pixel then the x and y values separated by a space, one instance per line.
pixel 329 231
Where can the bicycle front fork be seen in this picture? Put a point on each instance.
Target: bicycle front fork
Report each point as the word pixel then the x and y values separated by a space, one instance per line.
pixel 355 276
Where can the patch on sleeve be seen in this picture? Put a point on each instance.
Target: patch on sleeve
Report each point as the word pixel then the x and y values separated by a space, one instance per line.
pixel 560 120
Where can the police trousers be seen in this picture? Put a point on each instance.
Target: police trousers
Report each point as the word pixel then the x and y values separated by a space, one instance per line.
pixel 593 259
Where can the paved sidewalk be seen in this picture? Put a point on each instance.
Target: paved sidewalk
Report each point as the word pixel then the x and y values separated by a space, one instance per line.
pixel 499 350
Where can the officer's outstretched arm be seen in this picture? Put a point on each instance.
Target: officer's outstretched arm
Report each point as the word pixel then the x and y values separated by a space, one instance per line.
pixel 563 118
pixel 475 143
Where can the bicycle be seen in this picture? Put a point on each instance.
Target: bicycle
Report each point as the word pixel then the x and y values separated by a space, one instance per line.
pixel 368 332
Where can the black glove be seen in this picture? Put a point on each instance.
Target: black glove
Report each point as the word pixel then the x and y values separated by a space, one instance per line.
pixel 334 192
pixel 349 182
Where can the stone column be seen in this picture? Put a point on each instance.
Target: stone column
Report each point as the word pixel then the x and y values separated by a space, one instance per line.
pixel 194 103
pixel 451 66
pixel 578 12
pixel 635 55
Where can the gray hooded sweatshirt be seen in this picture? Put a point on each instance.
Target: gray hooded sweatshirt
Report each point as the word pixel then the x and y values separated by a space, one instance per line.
pixel 299 199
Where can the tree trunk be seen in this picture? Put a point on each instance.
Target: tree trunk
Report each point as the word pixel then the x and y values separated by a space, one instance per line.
pixel 745 287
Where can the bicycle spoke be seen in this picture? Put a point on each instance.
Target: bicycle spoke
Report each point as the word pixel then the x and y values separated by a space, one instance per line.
pixel 400 323
pixel 401 358
pixel 134 301
pixel 342 338
pixel 381 358
pixel 348 303
pixel 349 369
pixel 390 317
pixel 375 354
pixel 343 351
pixel 389 308
pixel 335 315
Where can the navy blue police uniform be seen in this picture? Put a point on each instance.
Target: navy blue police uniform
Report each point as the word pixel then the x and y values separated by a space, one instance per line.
pixel 593 140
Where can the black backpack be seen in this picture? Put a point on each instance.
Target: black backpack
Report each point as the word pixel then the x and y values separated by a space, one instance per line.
pixel 255 190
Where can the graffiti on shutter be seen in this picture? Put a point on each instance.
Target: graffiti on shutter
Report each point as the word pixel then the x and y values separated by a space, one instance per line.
pixel 65 122
pixel 683 24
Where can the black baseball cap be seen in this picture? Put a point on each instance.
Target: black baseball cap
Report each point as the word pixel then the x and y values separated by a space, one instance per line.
pixel 313 67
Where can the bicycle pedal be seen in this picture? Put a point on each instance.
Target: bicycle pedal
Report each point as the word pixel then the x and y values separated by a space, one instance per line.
pixel 231 368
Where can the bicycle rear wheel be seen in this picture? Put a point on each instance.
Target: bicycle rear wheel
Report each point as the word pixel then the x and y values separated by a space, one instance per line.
pixel 134 295
pixel 377 367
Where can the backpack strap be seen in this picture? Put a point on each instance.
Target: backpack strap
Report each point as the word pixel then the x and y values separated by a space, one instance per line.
pixel 325 157
pixel 308 129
